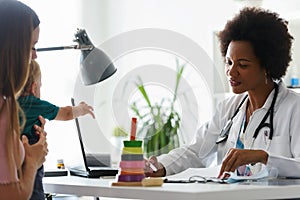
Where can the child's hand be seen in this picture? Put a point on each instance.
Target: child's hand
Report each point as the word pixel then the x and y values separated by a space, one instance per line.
pixel 86 109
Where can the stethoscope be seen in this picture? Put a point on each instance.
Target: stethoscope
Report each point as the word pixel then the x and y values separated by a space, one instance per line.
pixel 225 130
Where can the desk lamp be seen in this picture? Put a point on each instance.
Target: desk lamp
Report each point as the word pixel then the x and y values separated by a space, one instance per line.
pixel 95 65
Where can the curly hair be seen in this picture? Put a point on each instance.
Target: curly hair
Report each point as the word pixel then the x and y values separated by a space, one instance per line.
pixel 268 34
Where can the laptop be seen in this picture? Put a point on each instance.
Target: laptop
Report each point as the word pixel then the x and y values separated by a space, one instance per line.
pixel 86 170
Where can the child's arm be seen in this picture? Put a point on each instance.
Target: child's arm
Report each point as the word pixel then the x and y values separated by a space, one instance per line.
pixel 71 112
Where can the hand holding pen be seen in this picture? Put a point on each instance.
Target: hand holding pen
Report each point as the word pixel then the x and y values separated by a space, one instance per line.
pixel 153 168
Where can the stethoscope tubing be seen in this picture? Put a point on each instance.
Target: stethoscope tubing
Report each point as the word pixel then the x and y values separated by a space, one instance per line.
pixel 270 112
pixel 226 129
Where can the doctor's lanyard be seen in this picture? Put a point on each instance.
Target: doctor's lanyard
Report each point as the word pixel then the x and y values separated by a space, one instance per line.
pixel 226 129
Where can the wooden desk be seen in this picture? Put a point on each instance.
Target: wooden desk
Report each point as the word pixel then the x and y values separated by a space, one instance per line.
pixel 268 189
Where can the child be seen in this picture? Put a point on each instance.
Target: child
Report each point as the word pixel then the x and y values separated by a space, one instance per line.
pixel 33 106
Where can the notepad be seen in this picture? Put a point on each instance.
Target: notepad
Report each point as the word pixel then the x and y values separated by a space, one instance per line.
pixel 214 172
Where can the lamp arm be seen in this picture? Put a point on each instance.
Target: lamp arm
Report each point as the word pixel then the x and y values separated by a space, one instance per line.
pixel 79 47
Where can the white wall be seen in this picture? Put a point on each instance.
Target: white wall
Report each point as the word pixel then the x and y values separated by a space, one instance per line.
pixel 110 20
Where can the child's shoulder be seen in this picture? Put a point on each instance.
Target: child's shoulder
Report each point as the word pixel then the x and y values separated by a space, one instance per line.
pixel 27 98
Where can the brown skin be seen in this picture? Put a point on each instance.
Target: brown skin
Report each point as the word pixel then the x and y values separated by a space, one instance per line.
pixel 239 157
pixel 161 172
pixel 246 75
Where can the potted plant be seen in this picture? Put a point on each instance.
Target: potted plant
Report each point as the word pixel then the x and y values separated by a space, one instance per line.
pixel 160 121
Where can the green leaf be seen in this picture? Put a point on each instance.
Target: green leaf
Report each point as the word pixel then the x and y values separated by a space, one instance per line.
pixel 141 88
pixel 119 132
pixel 178 77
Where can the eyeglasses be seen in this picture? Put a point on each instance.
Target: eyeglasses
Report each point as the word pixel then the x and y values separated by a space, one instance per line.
pixel 197 179
pixel 201 179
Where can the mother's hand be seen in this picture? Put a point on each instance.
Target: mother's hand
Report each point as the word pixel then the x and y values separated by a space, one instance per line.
pixel 35 154
pixel 40 129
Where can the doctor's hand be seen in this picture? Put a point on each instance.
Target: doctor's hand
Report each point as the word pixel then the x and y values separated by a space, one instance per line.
pixel 239 157
pixel 149 170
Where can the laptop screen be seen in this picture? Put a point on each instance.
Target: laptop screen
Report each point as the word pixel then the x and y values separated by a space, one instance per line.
pixel 80 139
pixel 91 161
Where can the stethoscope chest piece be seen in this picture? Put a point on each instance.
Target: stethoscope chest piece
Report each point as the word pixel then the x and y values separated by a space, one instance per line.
pixel 224 132
pixel 221 139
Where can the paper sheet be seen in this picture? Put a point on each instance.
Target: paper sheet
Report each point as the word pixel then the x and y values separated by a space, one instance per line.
pixel 261 174
pixel 205 172
pixel 214 172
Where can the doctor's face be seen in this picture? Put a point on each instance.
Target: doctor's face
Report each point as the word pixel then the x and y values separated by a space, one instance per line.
pixel 243 68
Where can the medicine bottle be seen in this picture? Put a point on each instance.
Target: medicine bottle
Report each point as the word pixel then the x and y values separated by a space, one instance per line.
pixel 60 164
pixel 294 77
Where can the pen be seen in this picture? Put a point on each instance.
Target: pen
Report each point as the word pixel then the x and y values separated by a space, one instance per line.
pixel 152 167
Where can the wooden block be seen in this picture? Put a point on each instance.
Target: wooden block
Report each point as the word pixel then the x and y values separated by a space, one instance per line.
pixel 127 184
pixel 150 181
pixel 146 182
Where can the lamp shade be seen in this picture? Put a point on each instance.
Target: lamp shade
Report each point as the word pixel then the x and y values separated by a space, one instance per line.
pixel 95 65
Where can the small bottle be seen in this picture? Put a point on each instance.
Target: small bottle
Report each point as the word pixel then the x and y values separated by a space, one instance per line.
pixel 60 164
pixel 294 82
pixel 294 77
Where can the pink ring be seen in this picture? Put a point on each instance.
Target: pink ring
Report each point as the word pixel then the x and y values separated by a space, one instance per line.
pixel 132 164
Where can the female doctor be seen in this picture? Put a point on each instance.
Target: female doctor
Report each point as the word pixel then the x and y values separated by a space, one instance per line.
pixel 260 123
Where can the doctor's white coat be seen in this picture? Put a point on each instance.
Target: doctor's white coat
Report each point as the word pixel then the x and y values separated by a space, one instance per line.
pixel 283 149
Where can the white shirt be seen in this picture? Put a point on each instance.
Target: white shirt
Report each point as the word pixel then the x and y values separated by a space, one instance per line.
pixel 283 149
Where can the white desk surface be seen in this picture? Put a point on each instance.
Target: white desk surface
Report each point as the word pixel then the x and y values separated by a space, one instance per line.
pixel 102 188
